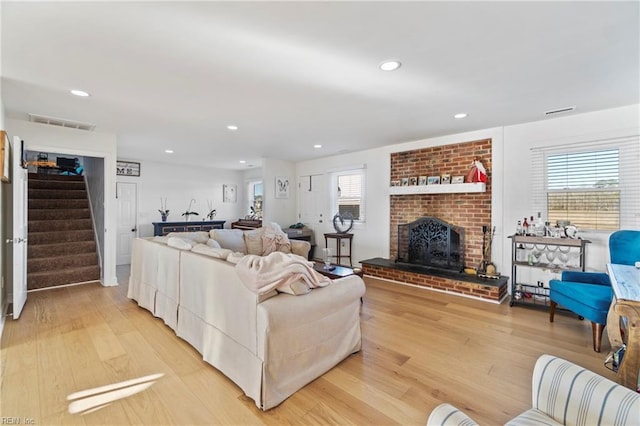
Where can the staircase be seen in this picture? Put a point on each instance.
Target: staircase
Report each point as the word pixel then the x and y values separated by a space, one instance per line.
pixel 61 241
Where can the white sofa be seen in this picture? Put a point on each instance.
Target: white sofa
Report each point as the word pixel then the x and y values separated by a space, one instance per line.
pixel 562 394
pixel 270 345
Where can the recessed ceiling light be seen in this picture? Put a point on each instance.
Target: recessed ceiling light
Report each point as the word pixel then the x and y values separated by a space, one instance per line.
pixel 232 127
pixel 460 115
pixel 317 146
pixel 79 93
pixel 242 161
pixel 168 151
pixel 390 65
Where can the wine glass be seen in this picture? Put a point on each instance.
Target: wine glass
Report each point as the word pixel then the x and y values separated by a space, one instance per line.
pixel 551 256
pixel 326 255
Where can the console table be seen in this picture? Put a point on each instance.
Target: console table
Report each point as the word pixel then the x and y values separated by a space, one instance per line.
pixel 625 281
pixel 163 228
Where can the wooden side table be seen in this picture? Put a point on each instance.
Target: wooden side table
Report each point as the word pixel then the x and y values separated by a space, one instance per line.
pixel 339 237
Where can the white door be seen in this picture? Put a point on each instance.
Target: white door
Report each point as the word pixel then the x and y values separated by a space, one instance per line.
pixel 19 245
pixel 127 199
pixel 312 206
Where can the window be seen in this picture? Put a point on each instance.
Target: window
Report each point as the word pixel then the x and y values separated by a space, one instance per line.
pixel 592 185
pixel 255 199
pixel 583 187
pixel 349 193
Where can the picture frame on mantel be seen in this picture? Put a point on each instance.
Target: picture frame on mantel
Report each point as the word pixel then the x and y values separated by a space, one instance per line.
pixel 282 187
pixel 5 154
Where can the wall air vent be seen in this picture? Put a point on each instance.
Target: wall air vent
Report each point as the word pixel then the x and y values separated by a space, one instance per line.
pixel 62 122
pixel 560 110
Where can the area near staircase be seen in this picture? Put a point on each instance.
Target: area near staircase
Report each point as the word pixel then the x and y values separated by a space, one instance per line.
pixel 61 240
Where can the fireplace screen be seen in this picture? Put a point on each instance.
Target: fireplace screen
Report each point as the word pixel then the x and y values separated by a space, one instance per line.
pixel 432 243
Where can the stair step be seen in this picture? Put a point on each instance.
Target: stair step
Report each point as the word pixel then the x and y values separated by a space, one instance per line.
pixel 55 263
pixel 59 249
pixel 58 204
pixel 63 224
pixel 64 276
pixel 59 214
pixel 56 184
pixel 52 237
pixel 52 177
pixel 48 193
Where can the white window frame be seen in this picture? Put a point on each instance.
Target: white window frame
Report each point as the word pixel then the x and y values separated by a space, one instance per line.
pixel 629 174
pixel 359 170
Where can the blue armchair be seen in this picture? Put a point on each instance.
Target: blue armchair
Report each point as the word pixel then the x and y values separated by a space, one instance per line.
pixel 589 294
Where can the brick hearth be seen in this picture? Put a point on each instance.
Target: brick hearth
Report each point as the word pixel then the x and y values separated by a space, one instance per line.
pixel 491 290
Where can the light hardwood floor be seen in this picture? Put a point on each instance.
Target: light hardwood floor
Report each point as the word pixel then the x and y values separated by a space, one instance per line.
pixel 420 348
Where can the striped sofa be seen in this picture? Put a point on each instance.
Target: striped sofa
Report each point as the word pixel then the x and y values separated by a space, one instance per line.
pixel 563 394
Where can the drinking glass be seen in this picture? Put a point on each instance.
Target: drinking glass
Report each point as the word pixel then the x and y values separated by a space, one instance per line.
pixel 326 254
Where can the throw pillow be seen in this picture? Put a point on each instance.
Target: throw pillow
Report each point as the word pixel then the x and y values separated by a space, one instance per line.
pixel 232 239
pixel 199 237
pixel 253 241
pixel 213 243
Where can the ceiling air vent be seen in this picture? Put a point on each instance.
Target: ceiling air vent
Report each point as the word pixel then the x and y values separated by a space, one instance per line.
pixel 560 110
pixel 62 122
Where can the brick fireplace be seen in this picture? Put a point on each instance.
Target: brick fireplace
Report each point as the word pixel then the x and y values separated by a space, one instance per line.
pixel 468 211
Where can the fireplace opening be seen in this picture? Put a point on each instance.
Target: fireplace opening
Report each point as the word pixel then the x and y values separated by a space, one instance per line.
pixel 431 243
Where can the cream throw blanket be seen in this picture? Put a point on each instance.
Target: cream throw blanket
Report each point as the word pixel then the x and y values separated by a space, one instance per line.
pixel 279 271
pixel 274 239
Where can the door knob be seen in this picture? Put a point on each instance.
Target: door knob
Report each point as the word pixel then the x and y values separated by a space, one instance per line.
pixel 133 230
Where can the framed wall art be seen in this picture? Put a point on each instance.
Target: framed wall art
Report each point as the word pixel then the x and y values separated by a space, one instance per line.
pixel 5 154
pixel 229 193
pixel 282 187
pixel 127 168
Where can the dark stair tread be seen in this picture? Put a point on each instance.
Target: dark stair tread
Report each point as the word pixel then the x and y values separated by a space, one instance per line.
pixel 62 224
pixel 62 194
pixel 55 263
pixel 52 177
pixel 57 203
pixel 58 214
pixel 67 236
pixel 69 248
pixel 55 184
pixel 61 277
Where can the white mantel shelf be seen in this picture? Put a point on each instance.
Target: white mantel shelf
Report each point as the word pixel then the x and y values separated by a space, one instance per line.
pixel 450 188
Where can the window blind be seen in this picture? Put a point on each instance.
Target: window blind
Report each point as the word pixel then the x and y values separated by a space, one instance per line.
pixel 592 184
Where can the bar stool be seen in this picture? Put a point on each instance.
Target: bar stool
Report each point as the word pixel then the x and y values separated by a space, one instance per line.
pixel 339 237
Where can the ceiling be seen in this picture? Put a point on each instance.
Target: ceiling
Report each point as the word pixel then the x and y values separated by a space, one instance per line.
pixel 174 75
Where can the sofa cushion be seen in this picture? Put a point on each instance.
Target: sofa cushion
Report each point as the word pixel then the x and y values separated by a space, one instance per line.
pixel 179 243
pixel 213 243
pixel 232 239
pixel 218 253
pixel 532 417
pixel 296 288
pixel 199 237
pixel 253 241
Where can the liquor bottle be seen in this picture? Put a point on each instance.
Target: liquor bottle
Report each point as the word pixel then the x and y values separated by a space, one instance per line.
pixel 539 226
pixel 519 228
pixel 525 227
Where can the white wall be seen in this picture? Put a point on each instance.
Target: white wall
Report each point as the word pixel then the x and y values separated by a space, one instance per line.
pixel 520 139
pixel 3 235
pixel 371 239
pixel 179 184
pixel 279 210
pixel 94 175
pixel 511 166
pixel 72 142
